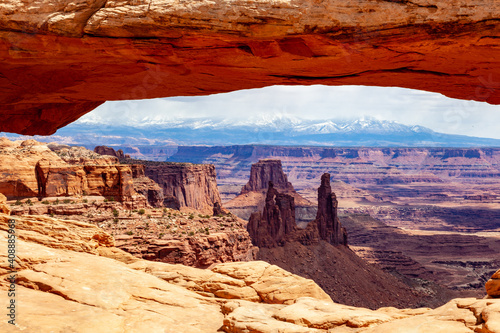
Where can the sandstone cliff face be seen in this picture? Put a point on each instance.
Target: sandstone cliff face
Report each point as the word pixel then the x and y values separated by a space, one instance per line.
pixel 253 195
pixel 105 150
pixel 115 292
pixel 186 185
pixel 146 186
pixel 432 45
pixel 327 221
pixel 276 225
pixel 266 171
pixel 32 169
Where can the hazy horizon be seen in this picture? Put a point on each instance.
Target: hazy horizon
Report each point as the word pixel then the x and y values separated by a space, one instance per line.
pixel 404 106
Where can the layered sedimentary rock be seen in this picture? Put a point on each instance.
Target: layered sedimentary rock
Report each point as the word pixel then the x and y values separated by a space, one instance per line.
pixel 32 169
pixel 276 224
pixel 185 184
pixel 146 186
pixel 327 221
pixel 105 150
pixel 266 171
pixel 70 278
pixel 253 196
pixel 493 285
pixel 61 59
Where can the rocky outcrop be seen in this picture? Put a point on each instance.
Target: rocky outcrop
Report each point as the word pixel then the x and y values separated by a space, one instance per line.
pixel 270 228
pixel 197 251
pixel 253 196
pixel 327 221
pixel 296 42
pixel 146 186
pixel 105 150
pixel 276 224
pixel 493 285
pixel 70 278
pixel 266 171
pixel 4 209
pixel 32 169
pixel 185 184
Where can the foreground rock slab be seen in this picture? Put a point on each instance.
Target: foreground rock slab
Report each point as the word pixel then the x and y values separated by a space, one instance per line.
pixel 61 287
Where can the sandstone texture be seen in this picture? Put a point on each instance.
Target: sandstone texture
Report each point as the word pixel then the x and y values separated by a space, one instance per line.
pixel 34 169
pixel 63 286
pixel 146 186
pixel 183 238
pixel 61 59
pixel 493 285
pixel 105 150
pixel 185 184
pixel 266 171
pixel 253 195
pixel 276 224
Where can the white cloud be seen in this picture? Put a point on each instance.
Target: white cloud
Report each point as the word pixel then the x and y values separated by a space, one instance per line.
pixel 406 106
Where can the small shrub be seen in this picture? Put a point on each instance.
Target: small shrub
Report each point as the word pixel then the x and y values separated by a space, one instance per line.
pixel 18 202
pixel 147 226
pixel 106 200
pixel 141 211
pixel 67 201
pixel 112 199
pixel 116 213
pixel 168 226
pixel 45 202
pixel 191 233
pixel 161 235
pixel 29 202
pixel 191 216
pixel 130 233
pixel 148 216
pixel 85 200
pixel 51 214
pixel 115 220
pixel 135 211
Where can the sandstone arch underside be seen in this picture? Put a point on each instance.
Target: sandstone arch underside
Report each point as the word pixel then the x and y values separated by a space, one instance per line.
pixel 62 58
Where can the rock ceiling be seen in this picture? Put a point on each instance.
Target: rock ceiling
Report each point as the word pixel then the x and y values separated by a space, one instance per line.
pixel 61 59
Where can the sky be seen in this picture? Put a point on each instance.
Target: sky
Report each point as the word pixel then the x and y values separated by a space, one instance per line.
pixel 406 106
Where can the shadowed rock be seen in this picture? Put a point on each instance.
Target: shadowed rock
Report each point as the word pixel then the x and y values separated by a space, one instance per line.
pixel 276 224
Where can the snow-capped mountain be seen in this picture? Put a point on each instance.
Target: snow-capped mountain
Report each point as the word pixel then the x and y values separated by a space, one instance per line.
pixel 276 129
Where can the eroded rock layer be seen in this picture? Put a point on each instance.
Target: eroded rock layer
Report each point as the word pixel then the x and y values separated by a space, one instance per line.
pixel 34 169
pixel 185 184
pixel 254 193
pixel 61 59
pixel 70 278
pixel 276 224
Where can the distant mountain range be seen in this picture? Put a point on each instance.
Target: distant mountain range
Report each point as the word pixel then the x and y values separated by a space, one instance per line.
pixel 275 130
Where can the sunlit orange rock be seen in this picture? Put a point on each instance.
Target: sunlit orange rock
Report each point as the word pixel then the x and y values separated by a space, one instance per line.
pixel 61 59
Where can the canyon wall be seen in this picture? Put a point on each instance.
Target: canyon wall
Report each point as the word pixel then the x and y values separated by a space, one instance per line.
pixel 33 169
pixel 185 184
pixel 61 59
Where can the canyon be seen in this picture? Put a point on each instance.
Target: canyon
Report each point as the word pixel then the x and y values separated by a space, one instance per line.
pixel 62 59
pixel 423 214
pixel 417 188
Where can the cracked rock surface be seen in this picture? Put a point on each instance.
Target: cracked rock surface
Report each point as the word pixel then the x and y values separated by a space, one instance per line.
pixel 61 59
pixel 62 287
